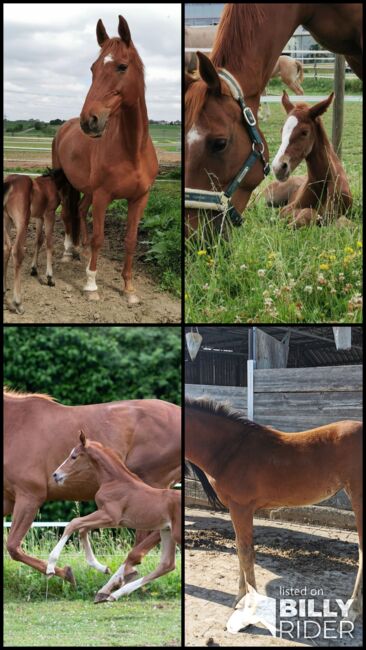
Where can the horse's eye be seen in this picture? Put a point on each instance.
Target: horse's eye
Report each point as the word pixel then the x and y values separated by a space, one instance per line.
pixel 304 133
pixel 122 67
pixel 219 145
pixel 74 457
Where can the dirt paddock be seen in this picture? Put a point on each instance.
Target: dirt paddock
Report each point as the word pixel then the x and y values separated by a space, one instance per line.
pixel 287 555
pixel 66 303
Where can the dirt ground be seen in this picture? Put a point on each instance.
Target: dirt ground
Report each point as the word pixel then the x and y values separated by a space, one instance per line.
pixel 66 303
pixel 287 555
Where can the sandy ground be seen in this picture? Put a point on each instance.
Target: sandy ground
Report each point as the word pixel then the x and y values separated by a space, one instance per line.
pixel 287 555
pixel 66 303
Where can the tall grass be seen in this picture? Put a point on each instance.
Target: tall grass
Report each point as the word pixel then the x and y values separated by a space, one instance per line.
pixel 266 272
pixel 110 547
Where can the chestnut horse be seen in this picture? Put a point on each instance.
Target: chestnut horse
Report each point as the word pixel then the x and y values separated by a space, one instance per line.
pixel 219 138
pixel 325 193
pixel 123 499
pixel 38 434
pixel 24 199
pixel 108 154
pixel 250 466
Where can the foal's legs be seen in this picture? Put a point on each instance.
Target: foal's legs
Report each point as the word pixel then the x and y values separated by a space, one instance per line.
pixel 24 513
pixel 135 212
pixel 7 245
pixel 18 255
pixel 126 572
pixel 38 246
pixel 49 222
pixel 90 557
pixel 166 564
pixel 242 518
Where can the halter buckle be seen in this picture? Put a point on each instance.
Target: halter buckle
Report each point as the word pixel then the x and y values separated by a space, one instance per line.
pixel 249 117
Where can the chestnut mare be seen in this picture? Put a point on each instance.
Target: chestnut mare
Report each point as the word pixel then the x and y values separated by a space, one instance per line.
pixel 325 193
pixel 24 199
pixel 123 499
pixel 145 433
pixel 108 154
pixel 250 466
pixel 219 140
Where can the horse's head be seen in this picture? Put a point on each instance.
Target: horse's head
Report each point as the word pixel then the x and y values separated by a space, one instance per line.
pixel 118 79
pixel 298 135
pixel 63 471
pixel 217 141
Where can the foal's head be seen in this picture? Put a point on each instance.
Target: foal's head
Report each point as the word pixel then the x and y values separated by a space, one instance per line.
pixel 299 135
pixel 118 79
pixel 63 471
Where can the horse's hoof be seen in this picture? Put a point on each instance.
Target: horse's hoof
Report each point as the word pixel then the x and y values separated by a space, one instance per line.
pixel 92 295
pixel 34 270
pixel 16 307
pixel 69 576
pixel 100 598
pixel 50 281
pixel 132 298
pixel 111 599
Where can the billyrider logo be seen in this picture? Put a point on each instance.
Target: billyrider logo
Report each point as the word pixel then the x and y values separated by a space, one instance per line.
pixel 295 614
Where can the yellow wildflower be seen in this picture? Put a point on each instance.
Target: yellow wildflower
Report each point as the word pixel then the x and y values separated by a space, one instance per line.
pixel 202 252
pixel 324 267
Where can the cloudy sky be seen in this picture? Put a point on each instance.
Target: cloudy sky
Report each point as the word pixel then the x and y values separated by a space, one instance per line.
pixel 49 48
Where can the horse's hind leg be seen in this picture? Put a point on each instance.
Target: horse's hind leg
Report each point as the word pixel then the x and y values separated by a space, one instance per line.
pixel 166 564
pixel 18 256
pixel 24 513
pixel 135 212
pixel 242 518
pixel 7 246
pixel 126 572
pixel 355 495
pixel 49 222
pixel 38 246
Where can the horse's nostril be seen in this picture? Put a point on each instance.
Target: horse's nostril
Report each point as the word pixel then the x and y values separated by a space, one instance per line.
pixel 54 474
pixel 93 120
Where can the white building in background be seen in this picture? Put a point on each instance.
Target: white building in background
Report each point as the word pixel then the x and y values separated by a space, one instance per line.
pixel 202 13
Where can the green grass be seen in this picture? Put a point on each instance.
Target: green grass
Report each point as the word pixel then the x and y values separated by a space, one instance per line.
pixel 267 272
pixel 41 612
pixel 313 86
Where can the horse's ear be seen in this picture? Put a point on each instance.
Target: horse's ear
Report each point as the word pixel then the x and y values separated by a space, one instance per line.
pixel 102 35
pixel 320 108
pixel 124 30
pixel 208 73
pixel 188 80
pixel 82 438
pixel 287 105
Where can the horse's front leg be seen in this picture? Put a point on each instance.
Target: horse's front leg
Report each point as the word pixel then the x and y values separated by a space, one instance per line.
pixel 135 212
pixel 100 203
pixel 98 519
pixel 242 518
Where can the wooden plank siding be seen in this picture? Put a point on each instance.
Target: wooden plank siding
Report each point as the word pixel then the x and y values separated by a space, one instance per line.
pixel 236 396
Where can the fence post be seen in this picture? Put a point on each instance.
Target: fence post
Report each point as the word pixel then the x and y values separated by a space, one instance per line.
pixel 337 125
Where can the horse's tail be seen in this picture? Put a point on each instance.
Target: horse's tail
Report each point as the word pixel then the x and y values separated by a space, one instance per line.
pixel 300 71
pixel 209 491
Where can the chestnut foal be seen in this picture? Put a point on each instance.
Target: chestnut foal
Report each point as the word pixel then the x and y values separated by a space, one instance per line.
pixel 324 194
pixel 123 499
pixel 24 199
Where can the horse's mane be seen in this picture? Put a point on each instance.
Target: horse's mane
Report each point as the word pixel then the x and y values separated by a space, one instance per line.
pixel 21 395
pixel 195 98
pixel 235 34
pixel 224 410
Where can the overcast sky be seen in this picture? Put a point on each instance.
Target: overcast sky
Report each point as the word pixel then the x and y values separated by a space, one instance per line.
pixel 49 48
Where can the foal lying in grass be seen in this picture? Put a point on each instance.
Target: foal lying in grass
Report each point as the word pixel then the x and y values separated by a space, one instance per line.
pixel 324 194
pixel 123 499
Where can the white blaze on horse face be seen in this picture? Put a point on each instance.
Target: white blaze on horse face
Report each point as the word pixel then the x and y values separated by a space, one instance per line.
pixel 194 135
pixel 108 58
pixel 287 130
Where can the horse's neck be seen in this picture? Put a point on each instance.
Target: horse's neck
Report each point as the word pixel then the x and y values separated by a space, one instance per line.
pixel 106 468
pixel 130 129
pixel 322 160
pixel 203 444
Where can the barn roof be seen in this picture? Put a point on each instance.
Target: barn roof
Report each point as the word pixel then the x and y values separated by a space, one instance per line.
pixel 309 345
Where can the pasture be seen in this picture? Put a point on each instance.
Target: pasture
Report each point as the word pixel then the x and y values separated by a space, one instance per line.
pixel 267 272
pixel 41 612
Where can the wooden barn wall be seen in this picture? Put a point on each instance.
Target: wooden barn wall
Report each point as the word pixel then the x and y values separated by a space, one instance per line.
pixel 221 369
pixel 294 399
pixel 236 396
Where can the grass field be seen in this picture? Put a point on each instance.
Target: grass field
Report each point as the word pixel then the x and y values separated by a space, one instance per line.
pixel 269 273
pixel 41 612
